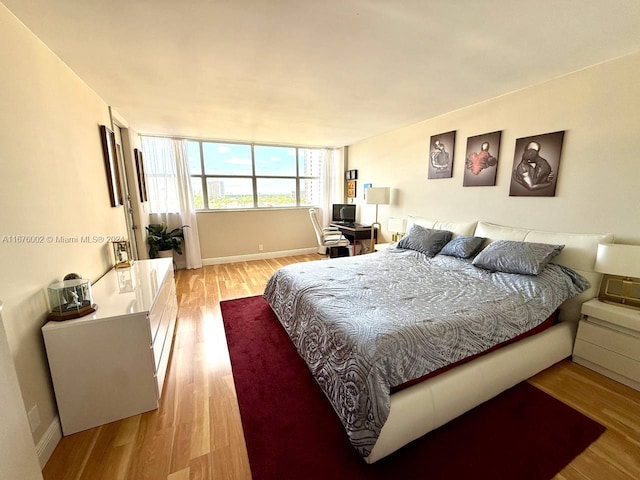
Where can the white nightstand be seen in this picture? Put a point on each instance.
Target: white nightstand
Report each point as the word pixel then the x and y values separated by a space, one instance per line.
pixel 608 341
pixel 381 246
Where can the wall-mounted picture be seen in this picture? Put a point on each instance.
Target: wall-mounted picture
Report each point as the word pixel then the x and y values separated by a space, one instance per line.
pixel 441 155
pixel 351 189
pixel 142 180
pixel 351 175
pixel 364 189
pixel 481 160
pixel 111 165
pixel 535 165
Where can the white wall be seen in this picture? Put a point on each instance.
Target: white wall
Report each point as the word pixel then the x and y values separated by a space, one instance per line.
pixel 52 185
pixel 231 234
pixel 598 180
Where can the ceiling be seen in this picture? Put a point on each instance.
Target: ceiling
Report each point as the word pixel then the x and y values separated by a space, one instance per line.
pixel 316 72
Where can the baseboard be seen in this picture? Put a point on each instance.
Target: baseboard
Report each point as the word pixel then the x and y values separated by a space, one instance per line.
pixel 49 441
pixel 258 256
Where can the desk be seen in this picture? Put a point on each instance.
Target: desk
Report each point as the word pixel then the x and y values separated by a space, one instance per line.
pixel 357 232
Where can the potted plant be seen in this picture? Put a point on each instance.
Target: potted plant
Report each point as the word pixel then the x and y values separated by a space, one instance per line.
pixel 160 239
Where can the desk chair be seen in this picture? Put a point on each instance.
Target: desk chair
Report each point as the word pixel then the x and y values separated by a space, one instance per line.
pixel 328 237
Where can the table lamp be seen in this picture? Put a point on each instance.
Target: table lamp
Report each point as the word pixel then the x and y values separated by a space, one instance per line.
pixel 620 265
pixel 377 196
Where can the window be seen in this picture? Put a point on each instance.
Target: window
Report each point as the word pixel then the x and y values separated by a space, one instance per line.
pixel 240 175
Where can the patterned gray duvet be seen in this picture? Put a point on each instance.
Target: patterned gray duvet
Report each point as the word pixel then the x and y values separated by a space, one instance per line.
pixel 368 323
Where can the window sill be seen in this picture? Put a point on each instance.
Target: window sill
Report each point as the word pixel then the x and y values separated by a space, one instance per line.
pixel 259 209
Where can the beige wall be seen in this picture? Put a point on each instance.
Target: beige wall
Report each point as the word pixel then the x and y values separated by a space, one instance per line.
pixel 229 234
pixel 598 182
pixel 52 185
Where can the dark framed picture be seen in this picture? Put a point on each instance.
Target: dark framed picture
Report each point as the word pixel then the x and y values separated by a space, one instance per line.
pixel 142 180
pixel 441 155
pixel 351 175
pixel 481 160
pixel 535 165
pixel 111 165
pixel 351 189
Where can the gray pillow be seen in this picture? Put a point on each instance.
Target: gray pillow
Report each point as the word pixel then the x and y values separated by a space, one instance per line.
pixel 463 247
pixel 509 256
pixel 425 240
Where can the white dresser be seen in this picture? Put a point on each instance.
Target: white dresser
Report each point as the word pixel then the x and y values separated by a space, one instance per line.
pixel 112 364
pixel 608 341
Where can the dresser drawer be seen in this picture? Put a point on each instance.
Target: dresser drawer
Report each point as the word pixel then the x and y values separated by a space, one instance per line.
pixel 615 341
pixel 168 316
pixel 161 371
pixel 155 315
pixel 611 361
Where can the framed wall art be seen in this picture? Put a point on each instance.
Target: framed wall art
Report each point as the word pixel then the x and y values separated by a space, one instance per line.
pixel 535 165
pixel 111 165
pixel 142 180
pixel 441 155
pixel 481 160
pixel 351 175
pixel 364 190
pixel 351 189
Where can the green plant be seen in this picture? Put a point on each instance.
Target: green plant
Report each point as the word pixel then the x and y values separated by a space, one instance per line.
pixel 160 238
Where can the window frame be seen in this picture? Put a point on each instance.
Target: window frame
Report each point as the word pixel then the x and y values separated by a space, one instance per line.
pixel 203 176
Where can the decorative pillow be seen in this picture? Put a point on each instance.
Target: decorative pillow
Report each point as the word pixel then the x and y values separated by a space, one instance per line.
pixel 463 247
pixel 425 240
pixel 511 256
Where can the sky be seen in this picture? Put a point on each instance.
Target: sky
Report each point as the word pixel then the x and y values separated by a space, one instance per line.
pixel 235 159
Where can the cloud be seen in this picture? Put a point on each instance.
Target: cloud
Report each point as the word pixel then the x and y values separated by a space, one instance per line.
pixel 223 149
pixel 238 161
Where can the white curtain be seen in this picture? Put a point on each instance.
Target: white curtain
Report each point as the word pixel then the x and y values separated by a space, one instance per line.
pixel 170 194
pixel 332 182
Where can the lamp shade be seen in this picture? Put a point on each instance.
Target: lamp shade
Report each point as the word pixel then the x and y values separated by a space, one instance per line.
pixel 396 225
pixel 378 195
pixel 618 259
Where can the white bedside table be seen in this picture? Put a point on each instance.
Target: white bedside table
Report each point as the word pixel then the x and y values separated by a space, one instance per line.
pixel 381 246
pixel 608 341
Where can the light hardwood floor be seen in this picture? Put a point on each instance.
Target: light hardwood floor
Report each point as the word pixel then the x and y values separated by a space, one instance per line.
pixel 197 433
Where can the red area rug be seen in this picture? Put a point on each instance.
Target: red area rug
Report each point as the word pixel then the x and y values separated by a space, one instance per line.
pixel 292 432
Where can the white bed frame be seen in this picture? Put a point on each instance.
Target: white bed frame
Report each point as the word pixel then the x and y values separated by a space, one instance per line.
pixel 430 404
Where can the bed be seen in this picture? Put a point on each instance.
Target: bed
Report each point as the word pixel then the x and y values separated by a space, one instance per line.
pixel 368 325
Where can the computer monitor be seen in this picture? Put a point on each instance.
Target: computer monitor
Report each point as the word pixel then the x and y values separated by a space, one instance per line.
pixel 343 212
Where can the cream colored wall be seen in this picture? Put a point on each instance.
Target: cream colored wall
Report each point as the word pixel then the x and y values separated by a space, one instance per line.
pixel 598 180
pixel 52 186
pixel 229 234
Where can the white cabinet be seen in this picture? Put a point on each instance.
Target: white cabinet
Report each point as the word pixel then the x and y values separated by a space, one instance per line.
pixel 112 364
pixel 608 341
